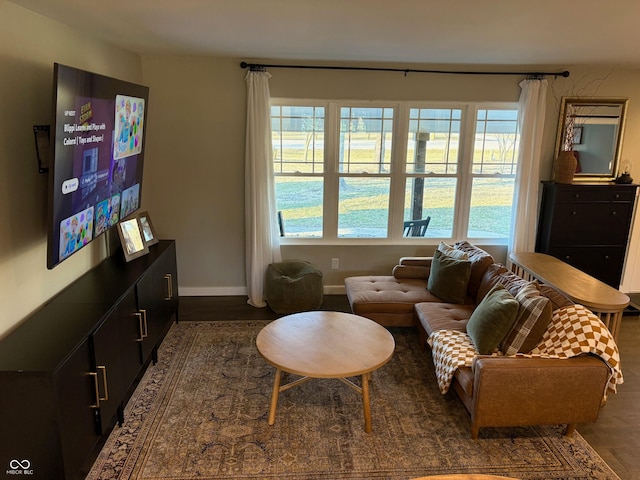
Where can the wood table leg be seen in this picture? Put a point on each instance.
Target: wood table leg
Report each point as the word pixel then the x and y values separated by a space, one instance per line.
pixel 274 396
pixel 365 402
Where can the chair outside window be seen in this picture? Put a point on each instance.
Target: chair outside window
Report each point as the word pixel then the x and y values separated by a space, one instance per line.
pixel 416 228
pixel 281 223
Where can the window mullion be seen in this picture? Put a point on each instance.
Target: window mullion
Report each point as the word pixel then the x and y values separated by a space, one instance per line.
pixel 398 171
pixel 331 178
pixel 465 177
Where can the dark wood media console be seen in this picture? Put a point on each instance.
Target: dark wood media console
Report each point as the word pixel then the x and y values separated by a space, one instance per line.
pixel 67 371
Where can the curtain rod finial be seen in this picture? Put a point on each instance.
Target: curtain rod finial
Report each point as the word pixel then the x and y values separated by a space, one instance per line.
pixel 244 64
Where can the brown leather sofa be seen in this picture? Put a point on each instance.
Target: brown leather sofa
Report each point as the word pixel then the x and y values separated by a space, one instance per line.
pixel 497 391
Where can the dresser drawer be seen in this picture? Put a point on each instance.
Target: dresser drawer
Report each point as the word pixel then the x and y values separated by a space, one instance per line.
pixel 603 263
pixel 595 194
pixel 591 224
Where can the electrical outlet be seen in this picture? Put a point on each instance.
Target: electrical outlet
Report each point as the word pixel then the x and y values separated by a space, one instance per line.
pixel 335 263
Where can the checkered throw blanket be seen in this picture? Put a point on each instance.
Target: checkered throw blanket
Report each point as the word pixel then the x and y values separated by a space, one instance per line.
pixel 573 331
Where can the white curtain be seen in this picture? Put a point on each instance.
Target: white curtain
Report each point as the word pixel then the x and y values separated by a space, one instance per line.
pixel 262 233
pixel 532 103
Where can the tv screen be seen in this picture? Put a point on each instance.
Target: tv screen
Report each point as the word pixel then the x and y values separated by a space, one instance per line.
pixel 98 138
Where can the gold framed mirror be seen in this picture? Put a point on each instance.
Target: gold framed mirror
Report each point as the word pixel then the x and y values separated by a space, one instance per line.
pixel 592 128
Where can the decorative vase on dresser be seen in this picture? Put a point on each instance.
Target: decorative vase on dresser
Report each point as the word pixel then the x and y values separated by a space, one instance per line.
pixel 587 226
pixel 565 167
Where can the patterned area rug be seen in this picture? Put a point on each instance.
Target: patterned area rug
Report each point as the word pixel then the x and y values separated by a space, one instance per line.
pixel 201 413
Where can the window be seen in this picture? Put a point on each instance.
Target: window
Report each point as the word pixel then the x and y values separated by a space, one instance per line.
pixel 299 166
pixel 342 170
pixel 433 148
pixel 364 171
pixel 493 174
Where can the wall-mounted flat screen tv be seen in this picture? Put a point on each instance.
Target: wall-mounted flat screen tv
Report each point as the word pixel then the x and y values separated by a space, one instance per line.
pixel 97 157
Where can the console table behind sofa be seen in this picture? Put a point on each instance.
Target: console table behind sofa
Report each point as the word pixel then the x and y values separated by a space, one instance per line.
pixel 606 302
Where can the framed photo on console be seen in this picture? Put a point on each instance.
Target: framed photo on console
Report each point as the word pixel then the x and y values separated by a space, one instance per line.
pixel 130 231
pixel 148 232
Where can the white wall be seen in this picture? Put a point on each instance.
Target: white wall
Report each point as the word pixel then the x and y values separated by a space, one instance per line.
pixel 29 45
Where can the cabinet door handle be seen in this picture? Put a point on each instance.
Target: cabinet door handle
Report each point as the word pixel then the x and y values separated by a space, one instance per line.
pixel 142 324
pixel 95 385
pixel 574 213
pixel 104 382
pixel 169 280
pixel 614 213
pixel 146 325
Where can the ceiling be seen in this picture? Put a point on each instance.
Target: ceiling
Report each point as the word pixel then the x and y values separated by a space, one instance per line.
pixel 522 32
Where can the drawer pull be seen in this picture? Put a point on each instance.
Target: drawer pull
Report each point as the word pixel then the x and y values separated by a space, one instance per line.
pixel 614 213
pixel 574 213
pixel 577 195
pixel 567 257
pixel 606 257
pixel 617 195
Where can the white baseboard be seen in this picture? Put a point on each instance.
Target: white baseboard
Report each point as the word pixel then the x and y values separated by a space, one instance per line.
pixel 234 291
pixel 211 291
pixel 334 290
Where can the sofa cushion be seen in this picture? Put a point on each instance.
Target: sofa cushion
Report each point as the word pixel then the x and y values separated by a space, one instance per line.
pixel 498 273
pixel 449 277
pixel 411 271
pixel 492 319
pixel 532 319
pixel 375 294
pixel 416 261
pixel 490 277
pixel 452 252
pixel 434 316
pixel 480 260
pixel 557 299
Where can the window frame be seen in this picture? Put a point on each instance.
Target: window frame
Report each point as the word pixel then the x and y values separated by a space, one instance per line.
pixel 397 172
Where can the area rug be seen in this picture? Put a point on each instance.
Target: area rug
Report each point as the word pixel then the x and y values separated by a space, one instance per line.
pixel 201 413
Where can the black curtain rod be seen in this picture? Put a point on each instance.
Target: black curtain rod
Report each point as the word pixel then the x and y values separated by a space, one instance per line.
pixel 262 66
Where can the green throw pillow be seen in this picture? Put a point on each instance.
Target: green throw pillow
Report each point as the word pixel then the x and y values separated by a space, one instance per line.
pixel 492 319
pixel 449 277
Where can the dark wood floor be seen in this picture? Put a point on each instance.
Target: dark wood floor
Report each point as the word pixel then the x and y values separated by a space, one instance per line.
pixel 615 436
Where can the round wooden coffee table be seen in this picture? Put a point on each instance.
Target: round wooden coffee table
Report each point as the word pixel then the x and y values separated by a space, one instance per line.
pixel 325 345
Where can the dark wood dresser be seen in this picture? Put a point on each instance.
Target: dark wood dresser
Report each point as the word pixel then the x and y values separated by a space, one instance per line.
pixel 587 226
